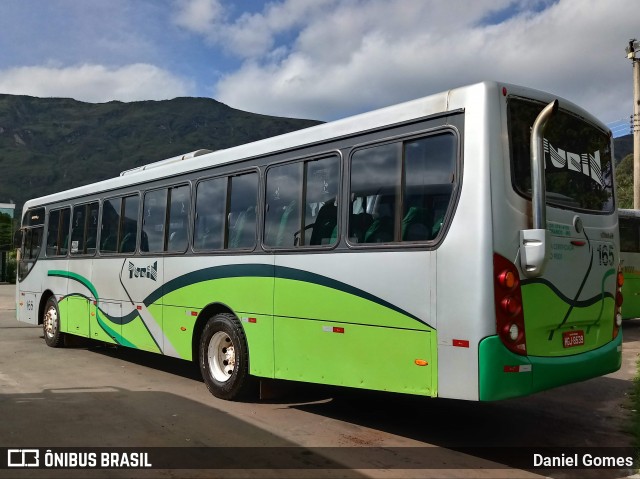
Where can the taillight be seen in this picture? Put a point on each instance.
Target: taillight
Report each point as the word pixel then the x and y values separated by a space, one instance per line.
pixel 617 315
pixel 508 303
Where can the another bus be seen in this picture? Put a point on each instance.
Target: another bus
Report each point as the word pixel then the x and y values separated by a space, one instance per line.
pixel 463 245
pixel 630 261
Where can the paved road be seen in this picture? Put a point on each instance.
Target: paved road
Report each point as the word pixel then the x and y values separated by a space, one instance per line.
pixel 89 395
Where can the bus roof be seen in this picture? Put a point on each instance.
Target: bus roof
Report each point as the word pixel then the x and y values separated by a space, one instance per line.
pixel 451 100
pixel 623 213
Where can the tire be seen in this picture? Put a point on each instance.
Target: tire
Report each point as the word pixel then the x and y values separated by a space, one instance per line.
pixel 51 324
pixel 224 358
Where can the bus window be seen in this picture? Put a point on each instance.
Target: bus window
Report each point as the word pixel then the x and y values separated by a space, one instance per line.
pixel 129 229
pixel 52 233
pixel 119 224
pixel 629 235
pixel 577 157
pixel 298 216
pixel 92 227
pixel 211 200
pixel 155 207
pixel 282 218
pixel 400 192
pixel 110 225
pixel 375 179
pixel 84 229
pixel 58 232
pixel 78 229
pixel 32 242
pixel 428 184
pixel 321 206
pixel 242 211
pixel 178 220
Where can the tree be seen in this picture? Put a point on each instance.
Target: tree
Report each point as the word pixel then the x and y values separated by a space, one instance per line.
pixel 624 182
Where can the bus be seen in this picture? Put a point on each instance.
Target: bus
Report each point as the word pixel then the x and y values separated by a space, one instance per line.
pixel 463 245
pixel 630 261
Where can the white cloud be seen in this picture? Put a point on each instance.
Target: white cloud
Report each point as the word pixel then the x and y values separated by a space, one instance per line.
pixel 199 16
pixel 350 56
pixel 250 35
pixel 95 83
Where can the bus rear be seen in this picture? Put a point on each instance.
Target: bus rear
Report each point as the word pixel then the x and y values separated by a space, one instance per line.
pixel 556 250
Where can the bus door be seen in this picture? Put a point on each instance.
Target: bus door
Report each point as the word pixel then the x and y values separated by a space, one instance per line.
pixel 29 286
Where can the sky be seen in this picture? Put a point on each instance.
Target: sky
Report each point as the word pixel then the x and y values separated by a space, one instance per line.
pixel 318 59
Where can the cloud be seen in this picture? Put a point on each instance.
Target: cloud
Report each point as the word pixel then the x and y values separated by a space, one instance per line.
pixel 198 16
pixel 249 35
pixel 344 56
pixel 95 83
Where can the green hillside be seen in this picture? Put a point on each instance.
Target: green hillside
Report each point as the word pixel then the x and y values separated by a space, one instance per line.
pixel 622 146
pixel 52 144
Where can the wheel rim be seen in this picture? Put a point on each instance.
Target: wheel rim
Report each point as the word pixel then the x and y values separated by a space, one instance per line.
pixel 222 356
pixel 51 321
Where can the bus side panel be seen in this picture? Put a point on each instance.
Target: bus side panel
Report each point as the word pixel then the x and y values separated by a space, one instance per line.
pixel 465 308
pixel 57 284
pixel 29 293
pixel 631 287
pixel 243 284
pixel 79 297
pixel 373 336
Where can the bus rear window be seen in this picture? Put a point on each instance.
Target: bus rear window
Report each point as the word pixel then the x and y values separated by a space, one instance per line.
pixel 577 156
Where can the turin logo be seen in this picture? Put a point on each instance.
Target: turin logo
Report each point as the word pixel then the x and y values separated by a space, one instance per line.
pixel 150 271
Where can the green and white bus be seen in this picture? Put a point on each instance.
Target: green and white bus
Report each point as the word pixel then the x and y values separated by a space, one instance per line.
pixel 463 245
pixel 630 261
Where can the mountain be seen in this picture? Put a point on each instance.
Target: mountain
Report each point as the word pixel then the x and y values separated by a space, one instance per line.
pixel 622 146
pixel 52 144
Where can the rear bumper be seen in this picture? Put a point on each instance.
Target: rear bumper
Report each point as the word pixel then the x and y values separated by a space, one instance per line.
pixel 504 374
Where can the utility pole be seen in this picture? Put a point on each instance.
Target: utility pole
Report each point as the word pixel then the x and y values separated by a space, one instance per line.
pixel 632 49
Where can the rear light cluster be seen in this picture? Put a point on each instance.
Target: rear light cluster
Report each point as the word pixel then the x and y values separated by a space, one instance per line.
pixel 617 318
pixel 508 302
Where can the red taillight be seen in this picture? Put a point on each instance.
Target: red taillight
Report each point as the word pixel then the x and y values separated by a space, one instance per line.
pixel 508 302
pixel 617 310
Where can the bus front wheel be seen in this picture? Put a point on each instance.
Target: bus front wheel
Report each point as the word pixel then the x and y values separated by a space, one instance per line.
pixel 224 358
pixel 51 324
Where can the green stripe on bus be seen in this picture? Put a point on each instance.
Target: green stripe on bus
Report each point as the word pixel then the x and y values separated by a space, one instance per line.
pixel 120 339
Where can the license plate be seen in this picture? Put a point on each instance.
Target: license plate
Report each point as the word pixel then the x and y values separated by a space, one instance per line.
pixel 572 338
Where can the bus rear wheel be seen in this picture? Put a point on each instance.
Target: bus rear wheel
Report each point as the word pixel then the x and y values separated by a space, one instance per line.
pixel 224 358
pixel 51 324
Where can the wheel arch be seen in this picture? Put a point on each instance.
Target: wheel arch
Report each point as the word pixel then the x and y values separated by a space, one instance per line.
pixel 208 312
pixel 46 294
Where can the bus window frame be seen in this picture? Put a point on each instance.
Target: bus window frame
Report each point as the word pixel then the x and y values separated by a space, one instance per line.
pixel 510 161
pixel 84 254
pixel 60 209
pixel 165 232
pixel 225 240
pixel 121 197
pixel 333 153
pixel 458 176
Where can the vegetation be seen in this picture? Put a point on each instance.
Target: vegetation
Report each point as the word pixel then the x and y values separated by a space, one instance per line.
pixel 52 144
pixel 624 182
